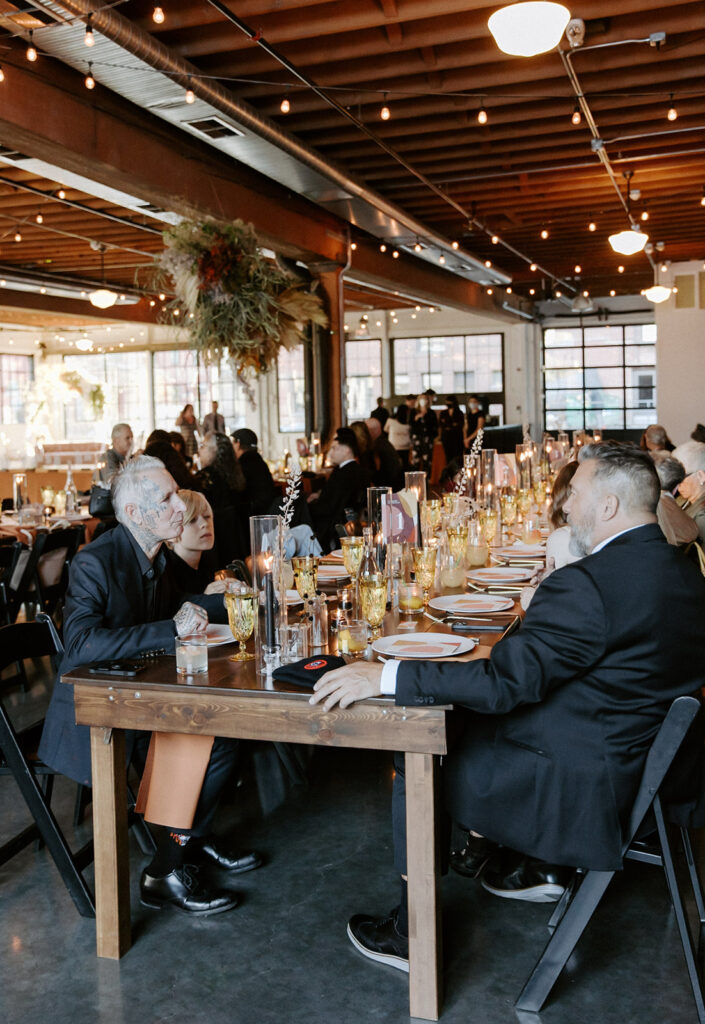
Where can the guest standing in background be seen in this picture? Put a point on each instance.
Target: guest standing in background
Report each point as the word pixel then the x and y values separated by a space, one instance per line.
pixel 381 412
pixel 424 430
pixel 398 430
pixel 474 421
pixel 452 423
pixel 189 426
pixel 213 420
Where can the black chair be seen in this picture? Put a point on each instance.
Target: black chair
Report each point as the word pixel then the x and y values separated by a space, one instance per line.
pixel 580 900
pixel 18 577
pixel 51 576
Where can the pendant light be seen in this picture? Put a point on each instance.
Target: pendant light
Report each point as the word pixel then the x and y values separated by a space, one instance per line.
pixel 102 298
pixel 528 28
pixel 629 241
pixel 658 292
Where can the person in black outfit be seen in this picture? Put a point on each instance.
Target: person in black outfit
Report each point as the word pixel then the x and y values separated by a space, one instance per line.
pixel 389 471
pixel 451 422
pixel 343 489
pixel 558 721
pixel 158 446
pixel 474 421
pixel 260 491
pixel 380 412
pixel 424 430
pixel 222 481
pixel 122 602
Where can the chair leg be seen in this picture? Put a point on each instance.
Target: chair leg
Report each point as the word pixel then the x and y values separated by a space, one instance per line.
pixel 679 910
pixel 48 790
pixel 563 941
pixel 564 901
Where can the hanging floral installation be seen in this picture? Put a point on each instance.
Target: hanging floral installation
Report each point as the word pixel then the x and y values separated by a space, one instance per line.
pixel 235 303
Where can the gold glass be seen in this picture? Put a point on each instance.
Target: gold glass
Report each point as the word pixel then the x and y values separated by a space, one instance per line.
pixel 60 502
pixel 240 605
pixel 425 569
pixel 509 508
pixel 353 549
pixel 373 600
pixel 305 574
pixel 430 517
pixel 457 541
pixel 477 552
pixel 524 500
pixel 488 524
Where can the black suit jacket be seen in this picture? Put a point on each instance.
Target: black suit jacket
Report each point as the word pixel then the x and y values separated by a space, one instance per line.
pixel 106 616
pixel 343 489
pixel 559 719
pixel 260 492
pixel 389 471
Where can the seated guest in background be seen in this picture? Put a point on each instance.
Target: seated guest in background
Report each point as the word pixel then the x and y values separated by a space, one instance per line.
pixel 398 430
pixel 690 453
pixel 158 446
pixel 389 471
pixel 214 421
pixel 655 439
pixel 451 422
pixel 189 426
pixel 365 445
pixel 222 481
pixel 114 457
pixel 122 602
pixel 559 719
pixel 474 421
pixel 191 556
pixel 260 492
pixel 677 526
pixel 344 488
pixel 693 490
pixel 381 412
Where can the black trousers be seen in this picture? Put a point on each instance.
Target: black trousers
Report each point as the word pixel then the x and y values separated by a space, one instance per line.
pixel 399 820
pixel 224 759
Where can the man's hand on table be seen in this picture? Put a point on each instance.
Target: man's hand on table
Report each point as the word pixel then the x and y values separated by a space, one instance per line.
pixel 346 685
pixel 190 618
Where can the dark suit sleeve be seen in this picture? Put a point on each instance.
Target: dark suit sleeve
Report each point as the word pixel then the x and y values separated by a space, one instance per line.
pixel 87 637
pixel 562 637
pixel 214 605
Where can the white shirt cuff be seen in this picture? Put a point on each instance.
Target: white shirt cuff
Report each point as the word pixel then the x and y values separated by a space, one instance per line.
pixel 388 682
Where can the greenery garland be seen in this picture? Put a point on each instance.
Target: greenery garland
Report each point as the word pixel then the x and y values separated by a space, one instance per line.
pixel 235 303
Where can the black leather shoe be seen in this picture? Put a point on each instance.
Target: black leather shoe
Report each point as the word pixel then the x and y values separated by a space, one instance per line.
pixel 235 862
pixel 377 938
pixel 471 859
pixel 529 879
pixel 182 889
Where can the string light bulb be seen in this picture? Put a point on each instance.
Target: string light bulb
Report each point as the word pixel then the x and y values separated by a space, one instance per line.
pixel 417 247
pixel 353 246
pixel 285 105
pixel 644 215
pixel 702 197
pixel 620 269
pixel 441 258
pixel 385 112
pixel 31 48
pixel 612 292
pixel 544 234
pixel 495 239
pixel 89 38
pixel 2 75
pixel 395 254
pixel 39 218
pixel 190 96
pixel 533 266
pixel 61 194
pixel 490 291
pixel 672 114
pixel 482 117
pixel 578 268
pixel 592 226
pixel 488 263
pixel 454 245
pixel 89 80
pixel 383 247
pixel 576 116
pixel 18 236
pixel 532 291
pixel 158 16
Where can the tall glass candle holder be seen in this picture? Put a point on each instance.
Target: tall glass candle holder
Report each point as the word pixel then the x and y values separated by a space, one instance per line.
pixel 267 545
pixel 415 481
pixel 488 460
pixel 524 454
pixel 379 518
pixel 19 490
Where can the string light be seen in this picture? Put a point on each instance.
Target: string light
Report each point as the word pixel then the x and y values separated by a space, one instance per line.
pixel 495 239
pixel 383 247
pixel 158 16
pixel 89 80
pixel 508 290
pixel 578 268
pixel 39 218
pixel 544 234
pixel 644 215
pixel 385 112
pixel 18 236
pixel 576 117
pixel 592 226
pixel 482 117
pixel 285 105
pixel 395 254
pixel 612 292
pixel 190 96
pixel 672 114
pixel 418 247
pixel 353 246
pixel 31 48
pixel 89 38
pixel 533 266
pixel 488 263
pixel 2 75
pixel 61 194
pixel 454 245
pixel 441 258
pixel 620 269
pixel 490 291
pixel 702 197
pixel 532 291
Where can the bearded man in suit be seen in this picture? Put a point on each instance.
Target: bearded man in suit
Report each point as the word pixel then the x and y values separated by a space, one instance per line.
pixel 557 722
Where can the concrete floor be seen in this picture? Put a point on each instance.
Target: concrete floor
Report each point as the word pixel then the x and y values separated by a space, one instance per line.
pixel 283 956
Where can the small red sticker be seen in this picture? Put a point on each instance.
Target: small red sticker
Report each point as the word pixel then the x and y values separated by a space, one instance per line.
pixel 316 664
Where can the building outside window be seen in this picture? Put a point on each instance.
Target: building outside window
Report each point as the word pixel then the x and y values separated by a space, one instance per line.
pixel 363 377
pixel 291 390
pixel 16 375
pixel 458 364
pixel 601 377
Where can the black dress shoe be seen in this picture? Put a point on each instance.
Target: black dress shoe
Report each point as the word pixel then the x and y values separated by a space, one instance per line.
pixel 235 862
pixel 529 879
pixel 378 939
pixel 472 857
pixel 182 889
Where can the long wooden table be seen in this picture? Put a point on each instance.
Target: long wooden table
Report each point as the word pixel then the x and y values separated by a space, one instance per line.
pixel 233 701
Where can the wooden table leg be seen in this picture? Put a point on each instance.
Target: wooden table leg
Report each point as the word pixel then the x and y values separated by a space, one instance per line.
pixel 112 869
pixel 425 994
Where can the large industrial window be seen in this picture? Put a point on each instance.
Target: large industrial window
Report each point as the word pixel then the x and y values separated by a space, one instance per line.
pixel 601 376
pixel 124 378
pixel 291 388
pixel 16 375
pixel 175 377
pixel 460 364
pixel 363 377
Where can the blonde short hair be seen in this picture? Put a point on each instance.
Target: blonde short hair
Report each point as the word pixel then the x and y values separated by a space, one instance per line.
pixel 196 505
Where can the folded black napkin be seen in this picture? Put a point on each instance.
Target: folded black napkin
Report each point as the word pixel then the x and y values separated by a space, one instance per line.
pixel 308 671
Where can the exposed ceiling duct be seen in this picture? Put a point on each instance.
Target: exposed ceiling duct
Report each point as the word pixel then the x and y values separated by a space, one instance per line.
pixel 138 67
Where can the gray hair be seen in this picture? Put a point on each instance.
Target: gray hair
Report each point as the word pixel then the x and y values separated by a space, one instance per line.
pixel 118 429
pixel 129 483
pixel 629 470
pixel 671 471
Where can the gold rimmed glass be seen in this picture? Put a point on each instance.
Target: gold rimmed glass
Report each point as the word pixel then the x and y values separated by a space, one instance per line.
pixel 509 509
pixel 430 517
pixel 373 600
pixel 425 569
pixel 457 540
pixel 241 605
pixel 524 500
pixel 489 521
pixel 353 549
pixel 305 574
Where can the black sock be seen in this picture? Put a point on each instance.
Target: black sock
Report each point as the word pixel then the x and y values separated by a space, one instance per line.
pixel 170 852
pixel 403 912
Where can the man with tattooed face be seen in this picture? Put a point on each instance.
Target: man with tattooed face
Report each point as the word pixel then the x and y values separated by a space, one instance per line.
pixel 122 602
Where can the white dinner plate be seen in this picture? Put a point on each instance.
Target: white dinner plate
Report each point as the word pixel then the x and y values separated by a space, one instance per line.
pixel 327 573
pixel 422 645
pixel 521 551
pixel 500 574
pixel 217 634
pixel 471 603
